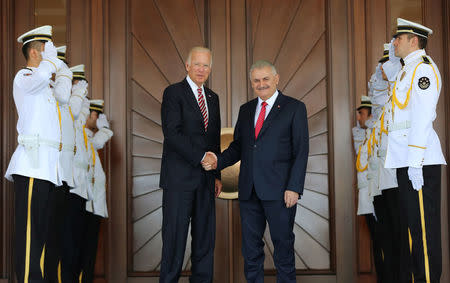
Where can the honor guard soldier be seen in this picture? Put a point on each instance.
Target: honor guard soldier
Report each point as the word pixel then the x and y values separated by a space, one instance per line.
pixel 386 204
pixel 361 133
pixel 414 149
pixel 79 194
pixel 96 209
pixel 61 85
pixel 34 167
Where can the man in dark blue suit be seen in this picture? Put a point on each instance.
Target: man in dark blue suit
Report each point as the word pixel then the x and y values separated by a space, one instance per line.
pixel 190 118
pixel 271 140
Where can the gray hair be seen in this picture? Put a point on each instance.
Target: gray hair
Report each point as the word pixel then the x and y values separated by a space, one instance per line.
pixel 262 64
pixel 198 49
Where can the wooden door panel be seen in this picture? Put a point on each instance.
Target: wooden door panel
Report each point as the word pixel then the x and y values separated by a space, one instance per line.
pixel 145 166
pixel 317 123
pixel 312 254
pixel 144 184
pixel 183 24
pixel 144 68
pixel 146 148
pixel 317 164
pixel 161 35
pixel 314 224
pixel 271 27
pixel 306 29
pixel 316 182
pixel 315 202
pixel 145 103
pixel 310 72
pixel 316 100
pixel 292 36
pixel 149 29
pixel 318 144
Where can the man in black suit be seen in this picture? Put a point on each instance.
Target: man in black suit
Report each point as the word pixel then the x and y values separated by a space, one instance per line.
pixel 271 140
pixel 190 118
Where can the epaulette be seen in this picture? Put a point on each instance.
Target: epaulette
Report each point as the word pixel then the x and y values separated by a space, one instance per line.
pixel 426 60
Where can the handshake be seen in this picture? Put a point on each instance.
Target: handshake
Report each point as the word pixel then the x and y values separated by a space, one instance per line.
pixel 209 162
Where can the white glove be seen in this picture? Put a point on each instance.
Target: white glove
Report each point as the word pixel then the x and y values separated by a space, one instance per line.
pixel 51 55
pixel 64 72
pixel 394 59
pixel 102 122
pixel 391 69
pixel 416 177
pixel 378 73
pixel 84 112
pixel 80 87
pixel 79 92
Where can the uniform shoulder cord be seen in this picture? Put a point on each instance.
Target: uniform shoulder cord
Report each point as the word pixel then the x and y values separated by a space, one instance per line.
pixel 93 152
pixel 60 127
pixel 408 94
pixel 358 162
pixel 74 131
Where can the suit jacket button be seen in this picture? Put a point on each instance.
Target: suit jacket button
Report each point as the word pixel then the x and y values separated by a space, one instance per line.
pixel 254 145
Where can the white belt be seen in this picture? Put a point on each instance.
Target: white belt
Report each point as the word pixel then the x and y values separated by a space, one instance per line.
pixel 399 126
pixel 69 147
pixel 31 144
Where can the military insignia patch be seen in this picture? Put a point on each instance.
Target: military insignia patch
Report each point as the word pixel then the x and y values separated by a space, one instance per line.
pixel 424 82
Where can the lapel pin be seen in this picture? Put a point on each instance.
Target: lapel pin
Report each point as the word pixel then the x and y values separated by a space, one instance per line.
pixel 278 106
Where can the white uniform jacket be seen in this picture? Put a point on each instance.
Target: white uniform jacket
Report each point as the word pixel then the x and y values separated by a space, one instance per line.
pixel 412 141
pixel 62 89
pixel 38 128
pixel 82 162
pixel 387 176
pixel 98 205
pixel 365 202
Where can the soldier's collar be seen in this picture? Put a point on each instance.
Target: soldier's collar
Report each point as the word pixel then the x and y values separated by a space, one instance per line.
pixel 414 56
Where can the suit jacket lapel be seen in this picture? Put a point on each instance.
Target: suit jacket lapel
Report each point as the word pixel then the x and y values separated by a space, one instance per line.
pixel 251 118
pixel 274 111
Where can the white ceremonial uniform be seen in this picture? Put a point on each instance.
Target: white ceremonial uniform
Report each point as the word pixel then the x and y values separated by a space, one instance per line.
pixel 412 141
pixel 387 176
pixel 379 93
pixel 82 162
pixel 365 202
pixel 372 162
pixel 98 205
pixel 61 90
pixel 39 133
pixel 68 148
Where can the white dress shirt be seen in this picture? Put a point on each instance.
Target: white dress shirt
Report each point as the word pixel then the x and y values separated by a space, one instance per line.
pixel 269 105
pixel 194 88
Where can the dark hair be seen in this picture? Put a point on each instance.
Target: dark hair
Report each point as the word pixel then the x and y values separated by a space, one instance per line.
pixel 422 41
pixel 369 109
pixel 93 110
pixel 31 45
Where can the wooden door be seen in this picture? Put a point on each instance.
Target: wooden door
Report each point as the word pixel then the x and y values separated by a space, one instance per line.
pixel 160 36
pixel 293 36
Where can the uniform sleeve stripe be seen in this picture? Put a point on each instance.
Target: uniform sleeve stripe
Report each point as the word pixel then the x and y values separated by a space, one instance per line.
pixel 422 147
